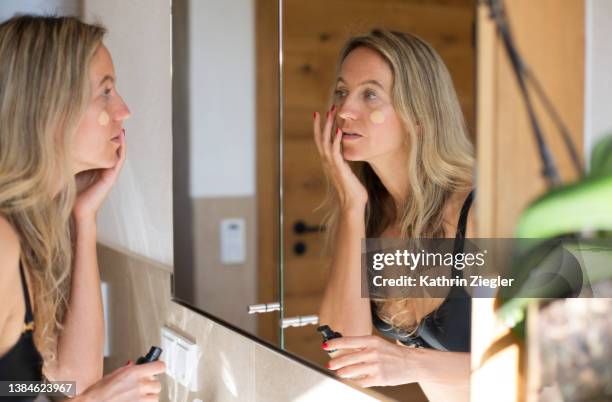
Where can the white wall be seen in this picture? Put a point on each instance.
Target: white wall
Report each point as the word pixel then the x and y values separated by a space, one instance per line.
pixel 8 8
pixel 598 70
pixel 222 98
pixel 138 213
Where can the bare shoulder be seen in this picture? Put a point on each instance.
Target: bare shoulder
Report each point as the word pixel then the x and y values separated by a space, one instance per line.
pixel 452 211
pixel 9 252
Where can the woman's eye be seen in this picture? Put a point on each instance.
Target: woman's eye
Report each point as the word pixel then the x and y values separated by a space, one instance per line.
pixel 370 95
pixel 340 93
pixel 107 91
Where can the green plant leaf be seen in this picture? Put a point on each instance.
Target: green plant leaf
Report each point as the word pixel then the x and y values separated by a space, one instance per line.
pixel 575 208
pixel 601 157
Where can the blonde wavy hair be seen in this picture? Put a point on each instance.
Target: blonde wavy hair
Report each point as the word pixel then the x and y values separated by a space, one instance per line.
pixel 44 92
pixel 441 157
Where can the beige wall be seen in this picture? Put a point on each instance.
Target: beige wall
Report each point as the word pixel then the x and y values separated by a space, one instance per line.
pixel 231 367
pixel 136 232
pixel 224 290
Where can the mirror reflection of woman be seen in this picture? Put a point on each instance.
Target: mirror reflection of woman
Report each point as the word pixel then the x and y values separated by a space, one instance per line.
pixel 62 146
pixel 394 146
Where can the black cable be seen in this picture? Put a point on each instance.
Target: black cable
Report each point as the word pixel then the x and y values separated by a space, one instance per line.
pixel 549 170
pixel 552 112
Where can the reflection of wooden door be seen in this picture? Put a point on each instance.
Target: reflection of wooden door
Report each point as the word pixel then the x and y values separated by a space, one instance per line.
pixel 266 28
pixel 314 31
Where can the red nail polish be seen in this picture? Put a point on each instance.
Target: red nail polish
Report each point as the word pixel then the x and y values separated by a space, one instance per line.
pixel 327 365
pixel 324 346
pixel 333 108
pixel 337 131
pixel 314 115
pixel 128 363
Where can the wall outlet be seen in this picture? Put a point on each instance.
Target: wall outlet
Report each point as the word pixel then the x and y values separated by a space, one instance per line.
pixel 104 292
pixel 181 357
pixel 233 241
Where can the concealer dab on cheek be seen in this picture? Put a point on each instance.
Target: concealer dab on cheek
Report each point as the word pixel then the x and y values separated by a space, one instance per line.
pixel 377 117
pixel 104 118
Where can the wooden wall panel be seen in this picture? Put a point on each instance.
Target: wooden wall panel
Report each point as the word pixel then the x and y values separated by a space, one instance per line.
pixel 550 36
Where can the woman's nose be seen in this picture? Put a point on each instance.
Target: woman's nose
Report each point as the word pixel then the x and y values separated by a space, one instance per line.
pixel 349 108
pixel 347 112
pixel 122 112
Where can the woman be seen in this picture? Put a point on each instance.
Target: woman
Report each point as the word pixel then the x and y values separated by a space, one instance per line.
pixel 62 146
pixel 395 148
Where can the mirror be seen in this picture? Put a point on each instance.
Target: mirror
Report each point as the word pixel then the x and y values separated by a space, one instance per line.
pixel 227 140
pixel 314 32
pixel 225 155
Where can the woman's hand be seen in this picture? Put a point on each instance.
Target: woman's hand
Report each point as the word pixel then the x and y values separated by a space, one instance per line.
pixel 351 192
pixel 130 383
pixel 374 361
pixel 92 194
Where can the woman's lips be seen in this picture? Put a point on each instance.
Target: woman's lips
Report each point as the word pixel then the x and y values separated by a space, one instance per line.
pixel 350 136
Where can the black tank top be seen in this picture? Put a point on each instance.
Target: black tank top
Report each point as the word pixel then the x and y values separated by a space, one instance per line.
pixel 23 362
pixel 448 327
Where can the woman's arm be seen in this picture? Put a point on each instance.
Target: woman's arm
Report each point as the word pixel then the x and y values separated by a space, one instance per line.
pixel 81 342
pixel 342 307
pixel 80 345
pixel 444 376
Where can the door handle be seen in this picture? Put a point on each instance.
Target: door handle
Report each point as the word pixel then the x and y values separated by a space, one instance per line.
pixel 300 321
pixel 300 227
pixel 263 308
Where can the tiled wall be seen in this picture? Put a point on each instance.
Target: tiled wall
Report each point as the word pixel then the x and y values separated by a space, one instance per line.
pixel 231 366
pixel 135 234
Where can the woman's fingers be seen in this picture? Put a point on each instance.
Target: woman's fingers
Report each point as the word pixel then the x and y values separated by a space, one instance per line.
pixel 122 153
pixel 317 132
pixel 352 342
pixel 326 137
pixel 122 150
pixel 111 174
pixel 149 369
pixel 149 398
pixel 358 371
pixel 148 386
pixel 348 359
pixel 337 158
pixel 366 382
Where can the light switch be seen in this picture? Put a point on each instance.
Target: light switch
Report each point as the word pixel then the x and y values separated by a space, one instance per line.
pixel 168 341
pixel 181 357
pixel 233 239
pixel 104 292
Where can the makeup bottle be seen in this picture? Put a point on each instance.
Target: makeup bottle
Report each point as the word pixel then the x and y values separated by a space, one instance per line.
pixel 152 356
pixel 327 333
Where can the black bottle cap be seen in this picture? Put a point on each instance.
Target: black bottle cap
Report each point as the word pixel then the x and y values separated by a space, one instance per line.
pixel 328 333
pixel 152 356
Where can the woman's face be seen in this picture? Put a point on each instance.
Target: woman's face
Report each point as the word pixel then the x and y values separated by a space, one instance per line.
pixel 97 138
pixel 371 127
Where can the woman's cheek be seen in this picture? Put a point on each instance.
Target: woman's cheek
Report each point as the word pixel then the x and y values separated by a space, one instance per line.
pixel 377 117
pixel 103 118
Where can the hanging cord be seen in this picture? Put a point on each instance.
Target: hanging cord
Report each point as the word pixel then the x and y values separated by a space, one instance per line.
pixel 523 74
pixel 552 112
